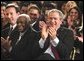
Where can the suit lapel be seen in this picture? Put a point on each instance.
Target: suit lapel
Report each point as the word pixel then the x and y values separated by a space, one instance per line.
pixel 25 37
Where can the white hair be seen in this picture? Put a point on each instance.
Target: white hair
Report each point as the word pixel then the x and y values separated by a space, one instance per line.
pixel 25 15
pixel 58 11
pixel 12 4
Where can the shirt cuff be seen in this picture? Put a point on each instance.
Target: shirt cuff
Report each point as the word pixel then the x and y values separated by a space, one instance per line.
pixel 54 42
pixel 41 43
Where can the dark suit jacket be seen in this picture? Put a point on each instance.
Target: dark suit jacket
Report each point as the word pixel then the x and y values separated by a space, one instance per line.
pixel 3 27
pixel 79 46
pixel 45 56
pixel 64 47
pixel 36 26
pixel 23 49
pixel 5 32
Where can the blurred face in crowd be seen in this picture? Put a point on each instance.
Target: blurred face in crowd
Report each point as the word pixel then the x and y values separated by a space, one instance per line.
pixel 23 10
pixel 74 14
pixel 54 20
pixel 70 4
pixel 34 15
pixel 4 17
pixel 11 15
pixel 22 23
pixel 2 11
pixel 63 8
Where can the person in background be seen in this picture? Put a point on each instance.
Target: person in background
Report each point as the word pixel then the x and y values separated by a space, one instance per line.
pixel 34 13
pixel 4 21
pixel 12 12
pixel 23 9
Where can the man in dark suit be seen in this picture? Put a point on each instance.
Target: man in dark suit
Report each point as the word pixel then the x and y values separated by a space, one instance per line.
pixel 14 9
pixel 34 13
pixel 12 12
pixel 22 47
pixel 22 39
pixel 53 35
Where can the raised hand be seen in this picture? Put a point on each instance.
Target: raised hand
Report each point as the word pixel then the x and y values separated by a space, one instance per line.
pixel 52 33
pixel 44 30
pixel 6 43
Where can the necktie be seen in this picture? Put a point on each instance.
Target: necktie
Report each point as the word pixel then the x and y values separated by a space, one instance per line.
pixel 10 30
pixel 54 51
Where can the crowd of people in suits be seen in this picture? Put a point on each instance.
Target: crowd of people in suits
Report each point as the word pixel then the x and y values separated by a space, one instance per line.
pixel 41 31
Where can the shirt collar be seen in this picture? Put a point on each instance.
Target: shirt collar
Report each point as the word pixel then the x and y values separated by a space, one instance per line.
pixel 13 26
pixel 33 23
pixel 22 33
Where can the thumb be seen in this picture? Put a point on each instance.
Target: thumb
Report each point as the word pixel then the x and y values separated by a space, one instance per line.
pixel 10 42
pixel 7 38
pixel 2 39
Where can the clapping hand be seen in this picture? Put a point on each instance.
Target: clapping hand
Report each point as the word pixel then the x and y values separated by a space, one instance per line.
pixel 6 43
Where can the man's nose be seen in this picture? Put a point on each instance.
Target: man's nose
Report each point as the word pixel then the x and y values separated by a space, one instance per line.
pixel 9 16
pixel 52 20
pixel 19 24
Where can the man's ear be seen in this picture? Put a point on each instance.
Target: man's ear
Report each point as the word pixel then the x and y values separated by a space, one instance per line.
pixel 61 21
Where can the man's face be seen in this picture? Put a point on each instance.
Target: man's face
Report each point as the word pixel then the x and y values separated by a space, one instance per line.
pixel 22 23
pixel 53 20
pixel 34 14
pixel 3 14
pixel 2 11
pixel 11 15
pixel 23 10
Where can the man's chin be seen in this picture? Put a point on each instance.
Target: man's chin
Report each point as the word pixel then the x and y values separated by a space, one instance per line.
pixel 20 30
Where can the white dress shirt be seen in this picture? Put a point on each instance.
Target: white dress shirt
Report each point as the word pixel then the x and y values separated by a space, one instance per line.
pixel 31 25
pixel 20 36
pixel 13 26
pixel 18 40
pixel 53 42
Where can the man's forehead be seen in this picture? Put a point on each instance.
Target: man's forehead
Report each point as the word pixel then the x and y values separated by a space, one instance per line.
pixel 11 9
pixel 55 14
pixel 33 10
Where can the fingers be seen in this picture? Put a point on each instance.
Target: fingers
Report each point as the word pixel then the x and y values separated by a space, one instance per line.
pixel 10 42
pixel 7 38
pixel 42 23
pixel 2 39
pixel 52 32
pixel 43 26
pixel 6 43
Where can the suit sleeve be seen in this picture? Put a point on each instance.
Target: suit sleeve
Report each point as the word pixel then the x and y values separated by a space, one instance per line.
pixel 65 45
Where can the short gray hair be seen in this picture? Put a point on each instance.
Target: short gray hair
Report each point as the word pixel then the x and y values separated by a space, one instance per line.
pixel 58 11
pixel 25 15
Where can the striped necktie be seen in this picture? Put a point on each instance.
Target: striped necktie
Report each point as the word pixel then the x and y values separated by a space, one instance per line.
pixel 11 29
pixel 55 53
